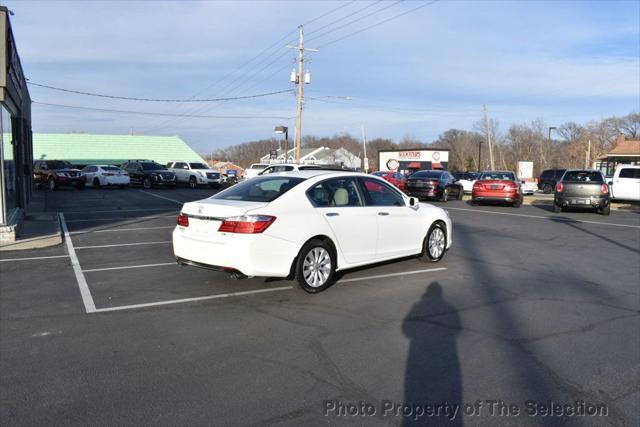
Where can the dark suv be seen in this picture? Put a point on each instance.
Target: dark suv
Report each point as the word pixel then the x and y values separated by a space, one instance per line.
pixel 149 173
pixel 548 179
pixel 56 173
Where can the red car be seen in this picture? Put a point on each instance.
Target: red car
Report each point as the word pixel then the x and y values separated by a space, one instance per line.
pixel 395 178
pixel 497 186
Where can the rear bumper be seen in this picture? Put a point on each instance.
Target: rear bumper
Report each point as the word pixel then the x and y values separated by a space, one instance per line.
pixel 249 254
pixel 423 193
pixel 581 202
pixel 483 196
pixel 117 180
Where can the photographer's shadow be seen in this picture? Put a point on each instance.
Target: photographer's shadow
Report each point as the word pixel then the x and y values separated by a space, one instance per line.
pixel 432 375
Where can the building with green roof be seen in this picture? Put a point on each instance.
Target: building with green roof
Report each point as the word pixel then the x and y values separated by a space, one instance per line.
pixel 89 149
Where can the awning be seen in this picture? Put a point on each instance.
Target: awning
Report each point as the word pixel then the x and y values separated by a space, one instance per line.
pixel 414 165
pixel 436 166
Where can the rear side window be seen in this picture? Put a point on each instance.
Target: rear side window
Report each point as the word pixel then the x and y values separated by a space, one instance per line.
pixel 336 192
pixel 630 173
pixel 583 176
pixel 381 194
pixel 259 189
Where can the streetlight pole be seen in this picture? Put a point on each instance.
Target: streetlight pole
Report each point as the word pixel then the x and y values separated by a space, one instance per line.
pixel 480 155
pixel 285 131
pixel 550 129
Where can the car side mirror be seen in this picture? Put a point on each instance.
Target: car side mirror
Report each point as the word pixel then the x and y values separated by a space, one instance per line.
pixel 609 182
pixel 413 202
pixel 522 182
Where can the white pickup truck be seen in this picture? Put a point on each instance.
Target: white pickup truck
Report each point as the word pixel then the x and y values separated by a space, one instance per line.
pixel 195 173
pixel 625 183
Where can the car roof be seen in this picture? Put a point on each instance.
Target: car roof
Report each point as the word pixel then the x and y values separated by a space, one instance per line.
pixel 310 173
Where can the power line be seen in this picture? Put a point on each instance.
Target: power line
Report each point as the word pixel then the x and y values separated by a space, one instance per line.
pixel 129 98
pixel 379 23
pixel 332 30
pixel 344 17
pixel 149 113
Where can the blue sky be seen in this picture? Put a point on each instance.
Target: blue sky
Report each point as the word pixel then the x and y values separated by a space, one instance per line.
pixel 418 75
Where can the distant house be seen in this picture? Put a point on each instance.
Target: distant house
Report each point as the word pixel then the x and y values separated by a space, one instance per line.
pixel 226 167
pixel 316 156
pixel 626 151
pixel 89 149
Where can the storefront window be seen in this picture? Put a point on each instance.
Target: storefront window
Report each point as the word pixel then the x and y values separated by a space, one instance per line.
pixel 10 196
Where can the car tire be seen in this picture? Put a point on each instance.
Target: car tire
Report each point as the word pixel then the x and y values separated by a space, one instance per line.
pixel 146 183
pixel 96 182
pixel 193 182
pixel 547 188
pixel 605 211
pixel 557 208
pixel 313 275
pixel 51 184
pixel 517 203
pixel 434 244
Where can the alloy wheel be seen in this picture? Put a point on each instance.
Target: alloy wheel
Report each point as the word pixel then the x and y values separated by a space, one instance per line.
pixel 436 243
pixel 317 267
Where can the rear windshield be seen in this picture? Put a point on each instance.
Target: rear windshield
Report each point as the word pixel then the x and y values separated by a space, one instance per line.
pixel 583 176
pixel 151 166
pixel 110 168
pixel 500 176
pixel 427 174
pixel 261 189
pixel 198 166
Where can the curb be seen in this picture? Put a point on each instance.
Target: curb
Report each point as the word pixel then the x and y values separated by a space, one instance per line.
pixel 52 236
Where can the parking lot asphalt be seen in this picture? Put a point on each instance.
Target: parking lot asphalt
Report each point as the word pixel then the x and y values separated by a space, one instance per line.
pixel 528 305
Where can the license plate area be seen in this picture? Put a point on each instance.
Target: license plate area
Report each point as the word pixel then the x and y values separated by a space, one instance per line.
pixel 204 227
pixel 581 202
pixel 495 187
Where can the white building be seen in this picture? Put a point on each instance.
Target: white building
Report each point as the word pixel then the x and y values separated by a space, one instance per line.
pixel 316 156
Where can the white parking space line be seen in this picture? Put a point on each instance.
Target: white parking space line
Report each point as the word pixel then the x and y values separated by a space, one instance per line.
pixel 87 299
pixel 180 301
pixel 553 218
pixel 34 258
pixel 382 276
pixel 117 210
pixel 122 229
pixel 161 197
pixel 124 218
pixel 123 244
pixel 253 292
pixel 126 267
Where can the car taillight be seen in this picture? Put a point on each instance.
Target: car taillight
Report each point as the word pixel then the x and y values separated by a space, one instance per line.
pixel 247 224
pixel 507 187
pixel 183 220
pixel 605 189
pixel 559 187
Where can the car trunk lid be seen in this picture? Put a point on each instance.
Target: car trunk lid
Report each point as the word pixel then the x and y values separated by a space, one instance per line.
pixel 582 189
pixel 496 185
pixel 206 216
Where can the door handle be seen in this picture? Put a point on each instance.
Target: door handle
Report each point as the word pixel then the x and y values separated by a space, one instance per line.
pixel 332 214
pixel 383 213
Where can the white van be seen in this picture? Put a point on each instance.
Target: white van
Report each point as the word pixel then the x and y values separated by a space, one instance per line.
pixel 625 184
pixel 254 170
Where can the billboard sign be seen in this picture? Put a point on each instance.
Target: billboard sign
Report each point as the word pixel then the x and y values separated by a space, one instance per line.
pixel 408 161
pixel 525 170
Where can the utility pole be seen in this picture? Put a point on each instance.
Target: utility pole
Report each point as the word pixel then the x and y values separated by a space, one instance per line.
pixel 300 81
pixel 486 126
pixel 588 156
pixel 364 145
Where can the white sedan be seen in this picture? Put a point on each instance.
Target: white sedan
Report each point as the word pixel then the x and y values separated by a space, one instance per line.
pixel 308 225
pixel 105 175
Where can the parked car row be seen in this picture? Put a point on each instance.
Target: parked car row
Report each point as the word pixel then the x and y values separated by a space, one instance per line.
pixel 52 174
